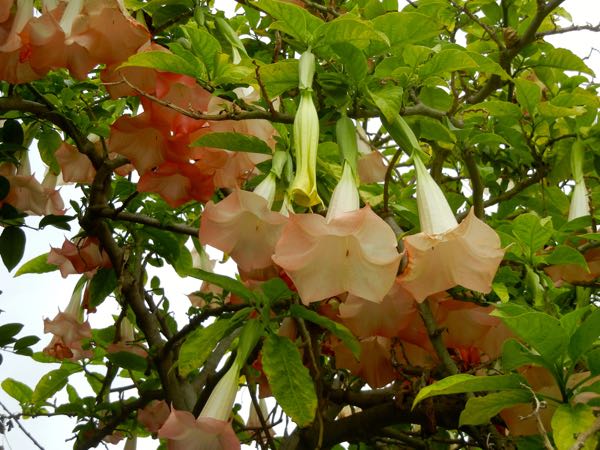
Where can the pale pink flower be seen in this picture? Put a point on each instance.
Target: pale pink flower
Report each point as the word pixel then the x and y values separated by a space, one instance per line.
pixel 243 226
pixel 355 252
pixel 82 256
pixel 75 166
pixel 153 415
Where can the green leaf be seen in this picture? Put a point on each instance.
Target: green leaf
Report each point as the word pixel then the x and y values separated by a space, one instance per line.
pixel 448 60
pixel 50 384
pixel 561 58
pixel 102 285
pixel 8 332
pixel 528 229
pixel 199 344
pixel 291 19
pixel 479 410
pixel 463 383
pixel 563 254
pixel 12 132
pixel 569 421
pixel 389 101
pixel 204 46
pixel 290 381
pixel 333 327
pixel 404 28
pixel 529 94
pixel 48 142
pixel 279 77
pixel 229 284
pixel 542 332
pixel 498 108
pixel 60 222
pixel 236 142
pixel 39 264
pixel 515 355
pixel 353 59
pixel 17 390
pixel 585 336
pixel 166 62
pixel 501 291
pixel 572 320
pixel 275 289
pixel 165 244
pixel 349 31
pixel 12 246
pixel 593 361
pixel 22 345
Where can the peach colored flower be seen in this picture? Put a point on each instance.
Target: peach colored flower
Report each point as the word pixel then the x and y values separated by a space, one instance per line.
pixel 574 273
pixel 5 8
pixel 126 342
pixel 355 252
pixel 371 167
pixel 75 167
pixel 467 255
pixel 212 429
pixel 29 195
pixel 153 415
pixel 69 331
pixel 243 226
pixel 82 256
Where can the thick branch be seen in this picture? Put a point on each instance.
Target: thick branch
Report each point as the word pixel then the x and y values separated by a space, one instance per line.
pixel 179 228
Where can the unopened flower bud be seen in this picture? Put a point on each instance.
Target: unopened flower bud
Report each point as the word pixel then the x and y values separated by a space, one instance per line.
pixel 267 188
pixel 345 195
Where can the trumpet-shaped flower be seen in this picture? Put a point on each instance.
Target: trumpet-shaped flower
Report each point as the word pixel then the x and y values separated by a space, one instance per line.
pixel 75 167
pixel 243 226
pixel 345 195
pixel 446 254
pixel 579 206
pixel 212 429
pixel 355 252
pixel 69 331
pixel 82 256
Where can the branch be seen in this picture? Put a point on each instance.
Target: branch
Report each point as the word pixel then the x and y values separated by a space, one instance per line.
pixel 20 425
pixel 273 116
pixel 475 19
pixel 435 337
pixel 538 405
pixel 179 228
pixel 476 183
pixel 588 27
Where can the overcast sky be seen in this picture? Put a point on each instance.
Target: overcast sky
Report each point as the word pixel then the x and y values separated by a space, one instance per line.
pixel 30 298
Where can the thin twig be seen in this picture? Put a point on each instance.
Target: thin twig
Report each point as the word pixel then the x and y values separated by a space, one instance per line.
pixel 20 425
pixel 538 406
pixel 587 27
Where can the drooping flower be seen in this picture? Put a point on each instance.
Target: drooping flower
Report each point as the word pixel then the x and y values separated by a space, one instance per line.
pixel 75 166
pixel 345 195
pixel 354 252
pixel 126 342
pixel 579 206
pixel 445 254
pixel 306 137
pixel 212 429
pixel 28 194
pixel 69 331
pixel 82 256
pixel 153 415
pixel 243 226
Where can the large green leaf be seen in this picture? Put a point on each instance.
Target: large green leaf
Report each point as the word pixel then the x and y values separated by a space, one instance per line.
pixel 463 383
pixel 290 381
pixel 353 59
pixel 291 19
pixel 531 231
pixel 279 77
pixel 200 343
pixel 236 142
pixel 563 254
pixel 51 383
pixel 571 420
pixel 102 285
pixel 335 328
pixel 39 264
pixel 479 410
pixel 515 355
pixel 17 390
pixel 585 336
pixel 542 332
pixel 389 101
pixel 529 95
pixel 229 284
pixel 561 58
pixel 349 31
pixel 163 61
pixel 8 332
pixel 204 46
pixel 12 246
pixel 404 28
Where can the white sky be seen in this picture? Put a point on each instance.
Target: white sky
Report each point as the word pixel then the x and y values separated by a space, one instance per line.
pixel 29 299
